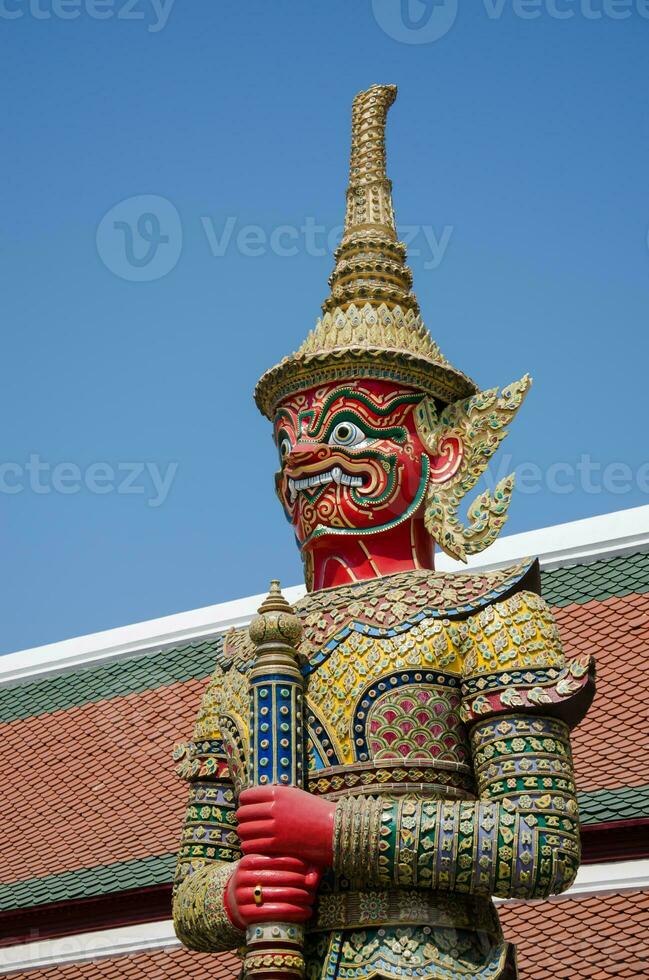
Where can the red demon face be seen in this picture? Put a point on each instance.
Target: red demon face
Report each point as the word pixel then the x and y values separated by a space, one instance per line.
pixel 352 462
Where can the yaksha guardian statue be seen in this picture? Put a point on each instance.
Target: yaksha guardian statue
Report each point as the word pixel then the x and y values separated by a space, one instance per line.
pixel 436 707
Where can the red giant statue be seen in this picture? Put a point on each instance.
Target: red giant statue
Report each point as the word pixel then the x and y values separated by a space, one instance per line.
pixel 435 708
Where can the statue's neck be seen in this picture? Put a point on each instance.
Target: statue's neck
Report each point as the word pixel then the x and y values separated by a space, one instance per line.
pixel 343 559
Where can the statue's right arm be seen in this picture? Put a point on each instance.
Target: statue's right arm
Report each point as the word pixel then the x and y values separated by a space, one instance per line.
pixel 209 847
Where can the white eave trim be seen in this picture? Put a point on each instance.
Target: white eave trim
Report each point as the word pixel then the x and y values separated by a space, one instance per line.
pixel 124 641
pixel 82 946
pixel 619 533
pixel 593 879
pixel 574 543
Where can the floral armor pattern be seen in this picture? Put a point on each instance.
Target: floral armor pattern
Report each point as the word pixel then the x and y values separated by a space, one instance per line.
pixel 438 709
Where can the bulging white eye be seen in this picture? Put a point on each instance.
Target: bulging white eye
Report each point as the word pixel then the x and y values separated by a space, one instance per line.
pixel 284 448
pixel 347 434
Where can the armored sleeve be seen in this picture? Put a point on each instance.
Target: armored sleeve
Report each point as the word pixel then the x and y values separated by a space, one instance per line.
pixel 209 843
pixel 520 838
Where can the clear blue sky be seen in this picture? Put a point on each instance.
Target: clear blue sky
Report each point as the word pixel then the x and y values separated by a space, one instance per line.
pixel 520 145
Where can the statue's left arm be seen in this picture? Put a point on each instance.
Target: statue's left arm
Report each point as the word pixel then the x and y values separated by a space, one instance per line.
pixel 209 847
pixel 521 837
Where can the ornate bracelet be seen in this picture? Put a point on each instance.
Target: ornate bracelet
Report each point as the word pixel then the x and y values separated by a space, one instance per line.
pixel 200 918
pixel 357 838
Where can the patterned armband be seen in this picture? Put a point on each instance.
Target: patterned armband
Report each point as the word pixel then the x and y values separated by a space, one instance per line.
pixel 200 917
pixel 443 846
pixel 357 839
pixel 525 763
pixel 408 843
pixel 210 831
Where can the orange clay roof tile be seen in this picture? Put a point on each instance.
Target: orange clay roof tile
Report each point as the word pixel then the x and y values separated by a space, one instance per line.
pixel 602 936
pixel 610 745
pixel 96 784
pixel 176 964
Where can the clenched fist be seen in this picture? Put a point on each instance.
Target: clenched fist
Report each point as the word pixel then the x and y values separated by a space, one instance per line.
pixel 285 888
pixel 285 820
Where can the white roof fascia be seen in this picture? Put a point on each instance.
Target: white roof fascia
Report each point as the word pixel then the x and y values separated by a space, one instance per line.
pixel 88 946
pixel 619 533
pixel 124 641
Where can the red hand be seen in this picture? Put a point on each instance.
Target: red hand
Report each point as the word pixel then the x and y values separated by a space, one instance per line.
pixel 286 820
pixel 288 890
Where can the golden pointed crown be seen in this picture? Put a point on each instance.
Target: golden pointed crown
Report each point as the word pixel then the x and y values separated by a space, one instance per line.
pixel 371 326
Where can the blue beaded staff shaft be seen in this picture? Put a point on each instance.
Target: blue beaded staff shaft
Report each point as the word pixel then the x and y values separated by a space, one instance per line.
pixel 274 950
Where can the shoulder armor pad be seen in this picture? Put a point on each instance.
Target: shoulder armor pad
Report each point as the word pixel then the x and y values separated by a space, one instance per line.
pixel 514 661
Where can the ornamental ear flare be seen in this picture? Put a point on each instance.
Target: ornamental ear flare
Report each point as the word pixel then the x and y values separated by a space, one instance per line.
pixel 479 423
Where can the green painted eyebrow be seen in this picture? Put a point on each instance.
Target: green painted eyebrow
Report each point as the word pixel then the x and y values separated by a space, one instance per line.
pixel 395 432
pixel 357 396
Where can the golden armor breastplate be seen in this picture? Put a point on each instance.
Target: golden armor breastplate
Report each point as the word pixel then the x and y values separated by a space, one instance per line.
pixel 383 665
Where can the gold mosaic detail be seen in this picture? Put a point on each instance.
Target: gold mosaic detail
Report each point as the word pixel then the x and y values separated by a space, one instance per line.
pixel 518 632
pixel 385 603
pixel 226 688
pixel 437 953
pixel 479 424
pixel 373 328
pixel 359 660
pixel 200 919
pixel 337 683
pixel 403 906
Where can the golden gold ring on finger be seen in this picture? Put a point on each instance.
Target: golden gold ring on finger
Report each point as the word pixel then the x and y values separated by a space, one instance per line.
pixel 258 895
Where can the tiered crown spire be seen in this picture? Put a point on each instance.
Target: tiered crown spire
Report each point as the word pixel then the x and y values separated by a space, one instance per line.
pixel 371 325
pixel 370 261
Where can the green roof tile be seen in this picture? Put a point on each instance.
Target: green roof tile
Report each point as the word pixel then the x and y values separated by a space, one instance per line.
pixel 144 672
pixel 607 805
pixel 619 576
pixel 101 880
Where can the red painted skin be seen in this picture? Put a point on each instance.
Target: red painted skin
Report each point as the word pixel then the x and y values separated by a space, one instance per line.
pixel 287 840
pixel 286 833
pixel 289 890
pixel 366 430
